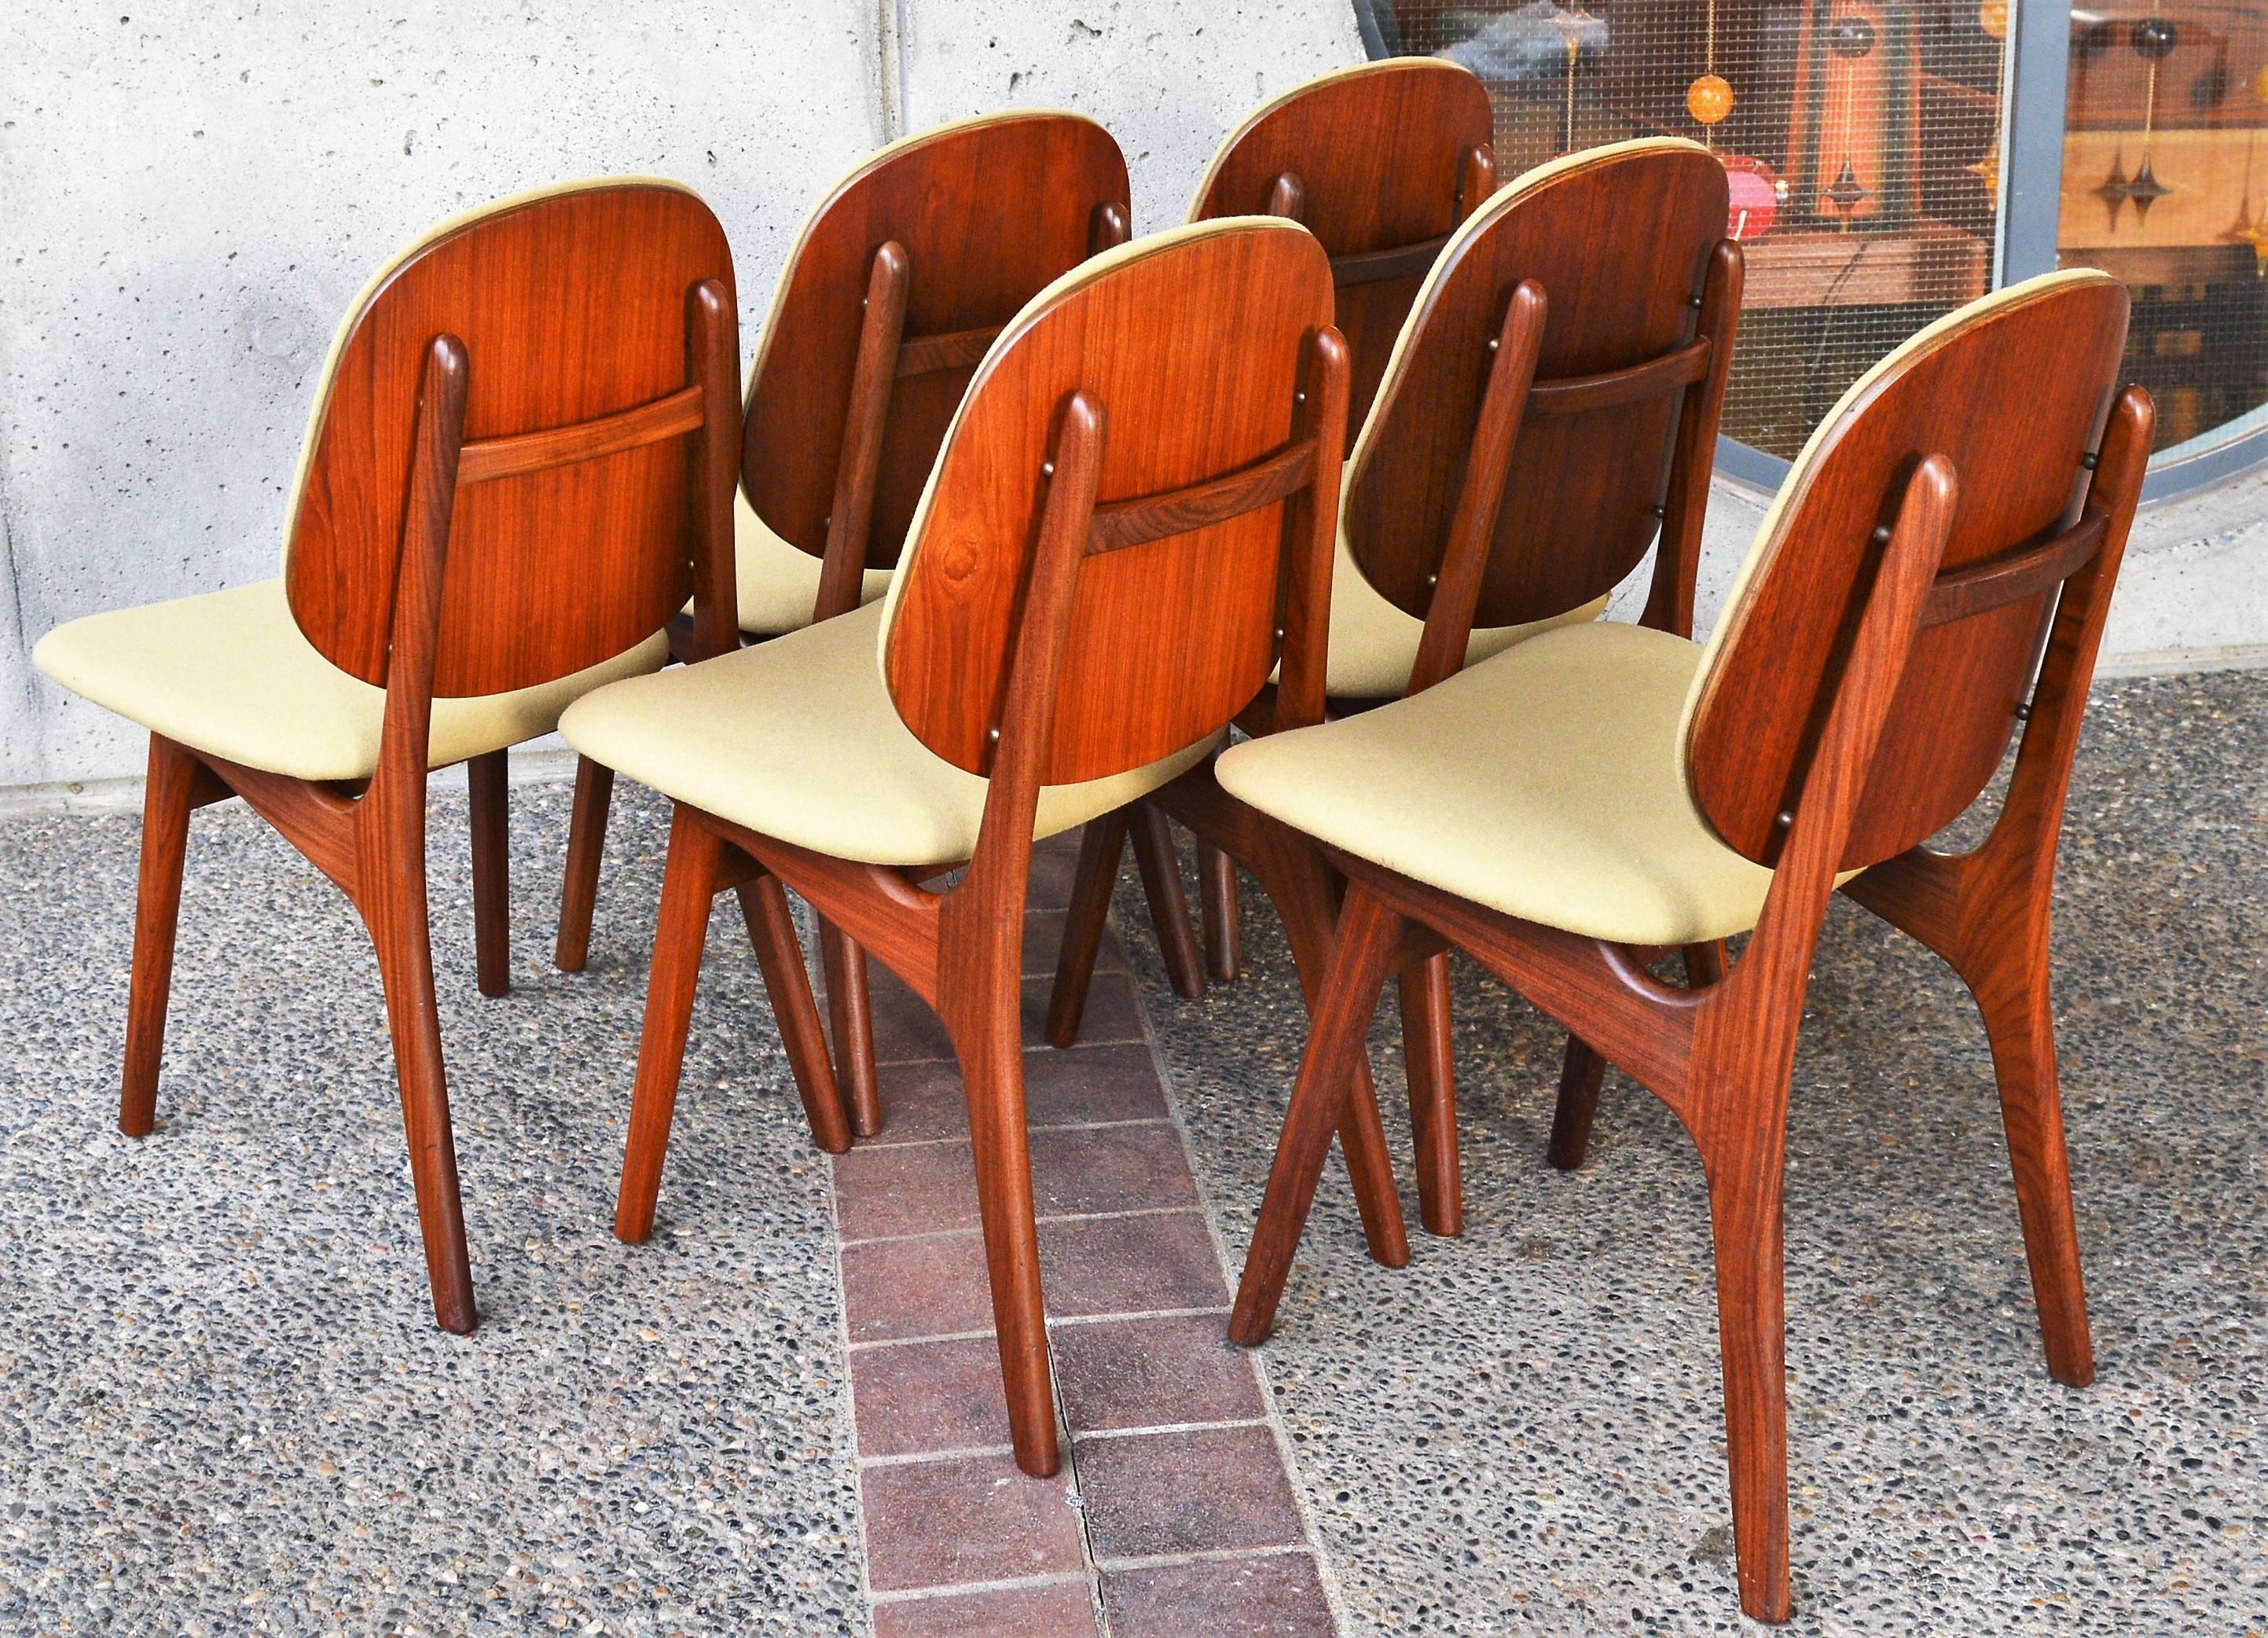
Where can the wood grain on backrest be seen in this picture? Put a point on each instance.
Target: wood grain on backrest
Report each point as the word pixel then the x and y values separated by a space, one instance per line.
pixel 1379 154
pixel 989 211
pixel 571 306
pixel 1194 342
pixel 2012 390
pixel 1619 239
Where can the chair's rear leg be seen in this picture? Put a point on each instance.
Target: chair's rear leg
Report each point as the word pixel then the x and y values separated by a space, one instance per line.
pixel 2012 991
pixel 1582 1072
pixel 1100 846
pixel 1704 964
pixel 1170 904
pixel 167 798
pixel 850 1013
pixel 771 931
pixel 486 779
pixel 1745 1190
pixel 393 906
pixel 986 1030
pixel 586 844
pixel 1300 884
pixel 688 887
pixel 1339 1017
pixel 1430 1066
pixel 1223 925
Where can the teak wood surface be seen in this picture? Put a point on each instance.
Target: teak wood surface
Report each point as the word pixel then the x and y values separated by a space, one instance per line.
pixel 482 443
pixel 896 287
pixel 1844 683
pixel 1141 490
pixel 1603 404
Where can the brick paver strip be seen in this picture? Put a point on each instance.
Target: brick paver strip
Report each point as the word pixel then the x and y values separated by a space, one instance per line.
pixel 1173 1507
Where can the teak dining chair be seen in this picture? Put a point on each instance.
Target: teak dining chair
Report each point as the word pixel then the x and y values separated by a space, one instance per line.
pixel 477 442
pixel 1381 162
pixel 1567 809
pixel 901 277
pixel 1137 491
pixel 1550 410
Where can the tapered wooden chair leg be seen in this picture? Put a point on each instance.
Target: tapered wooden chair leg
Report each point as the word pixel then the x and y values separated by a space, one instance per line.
pixel 991 1052
pixel 1224 925
pixel 1582 1072
pixel 2020 1024
pixel 1301 886
pixel 1100 843
pixel 166 800
pixel 587 843
pixel 1431 1069
pixel 1745 1217
pixel 393 906
pixel 687 889
pixel 1169 903
pixel 1362 953
pixel 850 1013
pixel 771 931
pixel 486 778
pixel 1704 964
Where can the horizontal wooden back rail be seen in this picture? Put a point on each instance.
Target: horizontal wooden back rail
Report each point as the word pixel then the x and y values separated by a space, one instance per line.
pixel 1657 378
pixel 2012 576
pixel 922 354
pixel 1375 267
pixel 1200 505
pixel 672 416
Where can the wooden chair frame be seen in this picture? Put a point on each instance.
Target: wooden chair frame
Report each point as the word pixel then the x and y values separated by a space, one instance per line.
pixel 1230 833
pixel 959 947
pixel 885 355
pixel 369 838
pixel 1721 1056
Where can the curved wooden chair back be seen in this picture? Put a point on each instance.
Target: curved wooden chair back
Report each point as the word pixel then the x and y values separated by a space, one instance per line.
pixel 1614 436
pixel 2014 390
pixel 899 282
pixel 572 312
pixel 1201 346
pixel 1381 162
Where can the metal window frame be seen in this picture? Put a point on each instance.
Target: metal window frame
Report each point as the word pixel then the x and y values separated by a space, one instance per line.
pixel 2035 88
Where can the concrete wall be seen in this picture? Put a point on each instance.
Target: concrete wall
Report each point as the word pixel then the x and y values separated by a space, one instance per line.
pixel 192 192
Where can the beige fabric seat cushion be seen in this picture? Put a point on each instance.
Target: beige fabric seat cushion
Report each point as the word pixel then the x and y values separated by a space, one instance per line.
pixel 797 739
pixel 1374 645
pixel 229 673
pixel 777 582
pixel 1543 783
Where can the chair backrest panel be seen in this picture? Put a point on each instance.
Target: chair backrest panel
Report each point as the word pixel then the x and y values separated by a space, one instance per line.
pixel 1194 342
pixel 989 212
pixel 1379 151
pixel 572 304
pixel 1619 239
pixel 2013 391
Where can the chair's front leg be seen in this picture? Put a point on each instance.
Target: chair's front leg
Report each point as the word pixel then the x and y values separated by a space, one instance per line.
pixel 1101 843
pixel 850 1015
pixel 1581 1074
pixel 688 886
pixel 487 782
pixel 1430 1067
pixel 167 798
pixel 1339 1013
pixel 586 844
pixel 1223 926
pixel 771 932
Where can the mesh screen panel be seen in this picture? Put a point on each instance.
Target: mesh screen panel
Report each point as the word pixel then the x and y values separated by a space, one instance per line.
pixel 2165 186
pixel 1862 137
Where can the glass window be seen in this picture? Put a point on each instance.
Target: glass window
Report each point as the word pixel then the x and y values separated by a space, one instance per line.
pixel 2165 186
pixel 1861 137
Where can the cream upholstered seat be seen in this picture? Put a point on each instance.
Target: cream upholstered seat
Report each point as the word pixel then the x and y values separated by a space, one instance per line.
pixel 229 674
pixel 797 739
pixel 1375 644
pixel 778 583
pixel 1544 783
